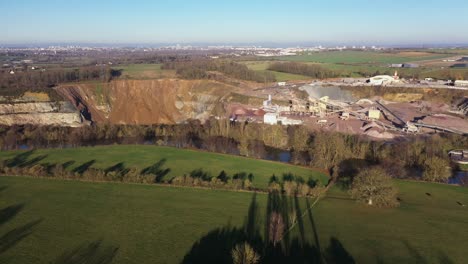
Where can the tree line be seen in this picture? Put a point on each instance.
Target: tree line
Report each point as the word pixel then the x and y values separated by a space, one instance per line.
pixel 43 81
pixel 419 157
pixel 23 165
pixel 203 69
pixel 311 70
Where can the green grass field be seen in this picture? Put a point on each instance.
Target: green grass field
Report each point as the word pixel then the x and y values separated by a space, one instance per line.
pixel 464 167
pixel 362 57
pixel 42 219
pixel 179 161
pixel 367 63
pixel 144 71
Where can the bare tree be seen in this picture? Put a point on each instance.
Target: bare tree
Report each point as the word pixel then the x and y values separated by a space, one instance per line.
pixel 374 187
pixel 276 228
pixel 436 170
pixel 244 254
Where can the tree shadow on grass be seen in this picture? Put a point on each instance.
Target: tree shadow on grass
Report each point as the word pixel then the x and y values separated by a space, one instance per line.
pixel 336 253
pixel 33 161
pixel 19 159
pixel 92 253
pixel 348 169
pixel 443 258
pixel 7 213
pixel 84 167
pixel 157 170
pixel 216 245
pixel 23 160
pixel 200 174
pixel 414 253
pixel 68 164
pixel 11 238
pixel 119 168
pixel 314 227
pixel 2 188
pixel 251 225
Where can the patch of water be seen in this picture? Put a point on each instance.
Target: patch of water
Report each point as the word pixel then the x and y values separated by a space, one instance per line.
pixel 459 177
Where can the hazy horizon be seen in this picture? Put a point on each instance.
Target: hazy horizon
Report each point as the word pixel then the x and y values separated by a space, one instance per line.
pixel 362 22
pixel 218 44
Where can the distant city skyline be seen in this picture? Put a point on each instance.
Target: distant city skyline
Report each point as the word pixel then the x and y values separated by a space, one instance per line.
pixel 415 23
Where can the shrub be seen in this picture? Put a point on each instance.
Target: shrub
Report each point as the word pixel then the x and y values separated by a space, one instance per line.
pixel 179 180
pixel 436 170
pixel 290 187
pixel 36 170
pixel 247 184
pixel 303 189
pixel 274 187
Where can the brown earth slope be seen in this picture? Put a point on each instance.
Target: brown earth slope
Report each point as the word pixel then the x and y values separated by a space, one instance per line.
pixel 147 101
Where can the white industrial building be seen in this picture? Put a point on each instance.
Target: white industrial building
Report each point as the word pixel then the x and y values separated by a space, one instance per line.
pixel 373 114
pixel 461 83
pixel 274 119
pixel 382 80
pixel 289 122
pixel 270 119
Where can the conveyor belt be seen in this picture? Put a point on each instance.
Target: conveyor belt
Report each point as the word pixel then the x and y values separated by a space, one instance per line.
pixel 389 111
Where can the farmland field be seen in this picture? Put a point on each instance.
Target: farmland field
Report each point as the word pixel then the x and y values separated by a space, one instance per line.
pixel 355 69
pixel 362 57
pixel 144 71
pixel 178 161
pixel 51 221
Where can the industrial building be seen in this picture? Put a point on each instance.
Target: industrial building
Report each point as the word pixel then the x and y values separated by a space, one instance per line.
pixel 404 65
pixel 373 114
pixel 459 156
pixel 270 118
pixel 274 119
pixel 461 83
pixel 289 122
pixel 382 80
pixel 410 65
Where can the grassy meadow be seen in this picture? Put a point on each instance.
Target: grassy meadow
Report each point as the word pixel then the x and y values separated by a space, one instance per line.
pixel 53 221
pixel 363 57
pixel 178 161
pixel 364 64
pixel 144 71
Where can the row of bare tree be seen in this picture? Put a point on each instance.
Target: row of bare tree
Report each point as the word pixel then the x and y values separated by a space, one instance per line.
pixel 421 157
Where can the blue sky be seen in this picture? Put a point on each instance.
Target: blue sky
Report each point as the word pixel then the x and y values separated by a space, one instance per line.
pixel 241 21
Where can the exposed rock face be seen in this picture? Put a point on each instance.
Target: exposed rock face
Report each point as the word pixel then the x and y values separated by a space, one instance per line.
pixel 166 101
pixel 57 119
pixel 462 106
pixel 40 113
pixel 17 108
